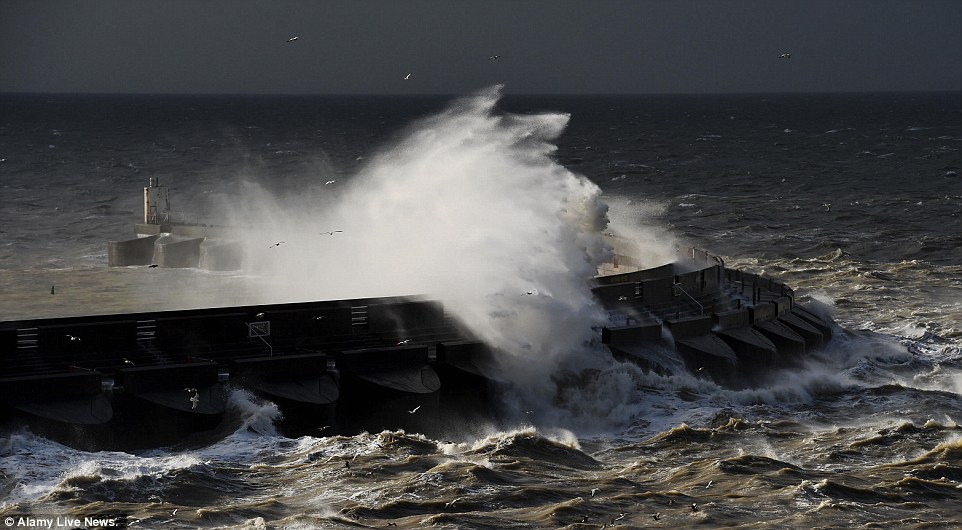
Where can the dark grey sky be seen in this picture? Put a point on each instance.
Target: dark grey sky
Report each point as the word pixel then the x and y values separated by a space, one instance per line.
pixel 556 46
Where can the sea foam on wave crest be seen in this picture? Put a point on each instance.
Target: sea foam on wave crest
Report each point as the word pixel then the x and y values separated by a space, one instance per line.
pixel 43 467
pixel 256 416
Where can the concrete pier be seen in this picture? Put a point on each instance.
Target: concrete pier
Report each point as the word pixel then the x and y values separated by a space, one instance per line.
pixel 373 363
pixel 725 323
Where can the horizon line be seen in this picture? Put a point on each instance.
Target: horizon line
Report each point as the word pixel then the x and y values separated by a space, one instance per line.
pixel 449 95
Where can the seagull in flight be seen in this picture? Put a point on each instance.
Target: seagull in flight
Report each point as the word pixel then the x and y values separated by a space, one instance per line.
pixel 415 409
pixel 785 56
pixel 405 341
pixel 73 338
pixel 128 361
pixel 331 232
pixel 407 76
pixel 333 181
pixel 259 315
pixel 494 57
pixel 194 400
pixel 279 243
pixel 292 39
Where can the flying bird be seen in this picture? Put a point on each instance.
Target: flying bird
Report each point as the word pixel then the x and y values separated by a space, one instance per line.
pixel 194 400
pixel 279 243
pixel 415 409
pixel 73 338
pixel 333 181
pixel 593 491
pixel 292 39
pixel 331 232
pixel 128 361
pixel 405 341
pixel 494 57
pixel 407 76
pixel 259 315
pixel 190 389
pixel 152 266
pixel 785 56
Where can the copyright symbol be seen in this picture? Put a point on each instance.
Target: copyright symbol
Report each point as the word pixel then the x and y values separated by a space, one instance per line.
pixel 9 521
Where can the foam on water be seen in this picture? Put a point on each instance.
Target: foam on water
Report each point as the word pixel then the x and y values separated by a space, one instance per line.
pixel 41 467
pixel 256 416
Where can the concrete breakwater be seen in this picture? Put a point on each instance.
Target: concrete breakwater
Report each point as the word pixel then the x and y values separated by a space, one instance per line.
pixel 143 379
pixel 147 378
pixel 730 325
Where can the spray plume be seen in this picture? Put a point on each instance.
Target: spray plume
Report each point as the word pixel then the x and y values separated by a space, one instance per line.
pixel 468 207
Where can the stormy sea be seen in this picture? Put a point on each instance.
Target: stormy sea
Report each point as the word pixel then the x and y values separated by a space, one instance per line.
pixel 854 200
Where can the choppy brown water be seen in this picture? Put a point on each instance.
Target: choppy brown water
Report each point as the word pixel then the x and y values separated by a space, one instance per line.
pixel 863 435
